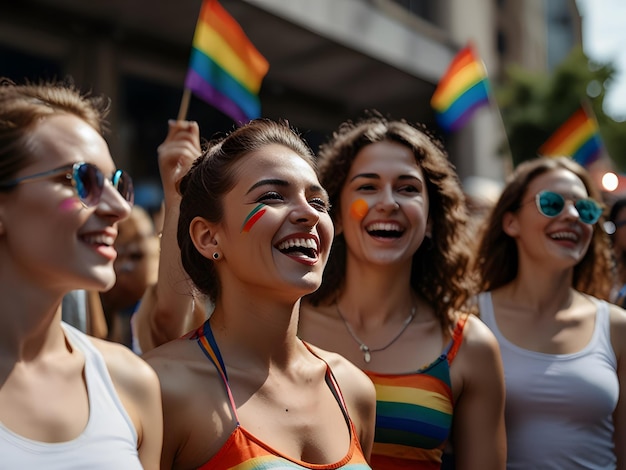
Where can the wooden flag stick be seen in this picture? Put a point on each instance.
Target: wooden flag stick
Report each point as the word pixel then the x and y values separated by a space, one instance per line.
pixel 184 104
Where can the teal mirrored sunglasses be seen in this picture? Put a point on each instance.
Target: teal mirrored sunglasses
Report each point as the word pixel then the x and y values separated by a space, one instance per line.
pixel 552 204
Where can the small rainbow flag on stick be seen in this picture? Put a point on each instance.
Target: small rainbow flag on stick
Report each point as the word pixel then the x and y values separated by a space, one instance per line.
pixel 463 88
pixel 578 138
pixel 225 69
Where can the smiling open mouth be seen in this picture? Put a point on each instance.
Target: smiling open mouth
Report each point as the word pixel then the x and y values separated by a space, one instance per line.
pixel 305 246
pixel 385 230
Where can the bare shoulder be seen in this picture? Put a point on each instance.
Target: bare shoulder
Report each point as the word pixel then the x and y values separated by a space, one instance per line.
pixel 196 411
pixel 477 371
pixel 126 368
pixel 477 337
pixel 185 375
pixel 617 316
pixel 351 379
pixel 174 363
pixel 479 350
pixel 617 319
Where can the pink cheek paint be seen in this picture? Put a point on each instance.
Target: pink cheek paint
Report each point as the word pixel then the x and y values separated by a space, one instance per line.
pixel 358 209
pixel 253 217
pixel 70 204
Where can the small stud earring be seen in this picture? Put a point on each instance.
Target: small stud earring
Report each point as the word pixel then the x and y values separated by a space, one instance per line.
pixel 216 255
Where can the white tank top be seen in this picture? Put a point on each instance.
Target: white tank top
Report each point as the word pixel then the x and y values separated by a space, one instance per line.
pixel 559 406
pixel 109 440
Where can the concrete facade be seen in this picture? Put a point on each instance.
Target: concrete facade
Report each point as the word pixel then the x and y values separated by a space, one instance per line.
pixel 329 60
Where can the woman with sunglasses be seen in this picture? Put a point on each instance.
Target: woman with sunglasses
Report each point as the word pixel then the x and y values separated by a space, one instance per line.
pixel 243 391
pixel 66 400
pixel 545 268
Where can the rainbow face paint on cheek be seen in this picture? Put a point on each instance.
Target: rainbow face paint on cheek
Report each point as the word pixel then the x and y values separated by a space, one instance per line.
pixel 358 209
pixel 253 217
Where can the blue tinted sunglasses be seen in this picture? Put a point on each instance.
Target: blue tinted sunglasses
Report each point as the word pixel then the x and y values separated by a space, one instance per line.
pixel 552 204
pixel 87 180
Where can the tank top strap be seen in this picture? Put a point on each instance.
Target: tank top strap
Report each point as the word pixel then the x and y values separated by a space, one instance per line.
pixel 603 321
pixel 205 339
pixel 331 381
pixel 457 338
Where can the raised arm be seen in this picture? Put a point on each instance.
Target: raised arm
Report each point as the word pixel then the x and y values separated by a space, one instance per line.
pixel 167 309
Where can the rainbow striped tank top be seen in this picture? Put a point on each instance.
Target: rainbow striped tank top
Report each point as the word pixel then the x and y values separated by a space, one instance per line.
pixel 414 413
pixel 243 451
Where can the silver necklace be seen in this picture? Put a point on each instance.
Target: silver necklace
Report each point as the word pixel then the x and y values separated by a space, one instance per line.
pixel 365 349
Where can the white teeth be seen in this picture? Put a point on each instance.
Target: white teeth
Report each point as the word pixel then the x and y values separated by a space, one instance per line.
pixel 564 236
pixel 387 227
pixel 99 239
pixel 298 242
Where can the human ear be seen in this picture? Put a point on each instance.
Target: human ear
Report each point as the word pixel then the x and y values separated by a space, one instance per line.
pixel 202 234
pixel 510 224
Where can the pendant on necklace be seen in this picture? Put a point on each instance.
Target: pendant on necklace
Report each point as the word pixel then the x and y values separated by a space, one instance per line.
pixel 367 357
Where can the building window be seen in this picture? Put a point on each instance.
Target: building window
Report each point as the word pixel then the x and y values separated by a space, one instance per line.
pixel 421 8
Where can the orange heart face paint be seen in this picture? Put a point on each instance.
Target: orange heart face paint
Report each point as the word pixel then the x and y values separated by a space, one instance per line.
pixel 253 217
pixel 359 209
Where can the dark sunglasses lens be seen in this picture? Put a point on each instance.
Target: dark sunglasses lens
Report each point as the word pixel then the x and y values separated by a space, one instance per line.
pixel 124 184
pixel 89 182
pixel 588 210
pixel 550 204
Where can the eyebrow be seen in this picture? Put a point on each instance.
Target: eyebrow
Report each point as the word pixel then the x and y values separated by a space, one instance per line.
pixel 268 182
pixel 376 176
pixel 284 184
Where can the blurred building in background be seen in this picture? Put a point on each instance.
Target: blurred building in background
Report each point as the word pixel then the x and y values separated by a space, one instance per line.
pixel 329 60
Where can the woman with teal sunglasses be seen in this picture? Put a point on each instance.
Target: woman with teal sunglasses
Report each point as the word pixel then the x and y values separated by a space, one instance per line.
pixel 544 267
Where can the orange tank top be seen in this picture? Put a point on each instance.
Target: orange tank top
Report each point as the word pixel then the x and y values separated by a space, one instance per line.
pixel 243 451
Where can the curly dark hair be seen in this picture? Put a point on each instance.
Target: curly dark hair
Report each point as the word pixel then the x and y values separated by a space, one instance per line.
pixel 440 264
pixel 497 258
pixel 213 175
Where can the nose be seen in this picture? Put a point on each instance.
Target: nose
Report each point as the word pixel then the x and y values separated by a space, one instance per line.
pixel 304 213
pixel 387 201
pixel 570 210
pixel 112 203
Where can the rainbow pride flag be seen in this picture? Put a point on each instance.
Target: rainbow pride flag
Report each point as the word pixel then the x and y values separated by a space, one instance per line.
pixel 578 138
pixel 463 88
pixel 225 69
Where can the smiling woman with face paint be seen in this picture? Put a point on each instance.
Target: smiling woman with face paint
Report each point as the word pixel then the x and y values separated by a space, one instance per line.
pixel 243 391
pixel 544 264
pixel 392 295
pixel 67 401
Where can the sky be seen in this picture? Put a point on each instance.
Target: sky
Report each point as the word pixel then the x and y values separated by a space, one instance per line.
pixel 604 40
